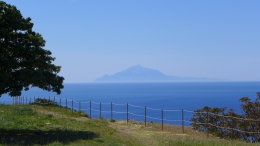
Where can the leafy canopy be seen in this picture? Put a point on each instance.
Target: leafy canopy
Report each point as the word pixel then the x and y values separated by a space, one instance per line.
pixel 23 61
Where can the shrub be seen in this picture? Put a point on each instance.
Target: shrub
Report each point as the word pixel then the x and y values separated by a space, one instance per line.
pixel 45 102
pixel 83 114
pixel 112 120
pixel 49 115
pixel 221 123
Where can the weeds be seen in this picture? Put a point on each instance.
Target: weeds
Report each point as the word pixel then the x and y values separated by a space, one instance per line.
pixel 36 125
pixel 56 126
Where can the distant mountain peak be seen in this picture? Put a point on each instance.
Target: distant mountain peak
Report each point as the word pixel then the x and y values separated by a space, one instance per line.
pixel 138 73
pixel 136 69
pixel 138 66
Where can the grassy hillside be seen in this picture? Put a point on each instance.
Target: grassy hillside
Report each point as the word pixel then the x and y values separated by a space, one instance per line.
pixel 38 125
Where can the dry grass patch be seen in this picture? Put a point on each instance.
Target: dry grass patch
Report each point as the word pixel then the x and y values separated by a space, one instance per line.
pixel 153 135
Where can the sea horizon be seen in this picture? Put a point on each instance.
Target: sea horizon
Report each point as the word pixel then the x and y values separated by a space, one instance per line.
pixel 189 96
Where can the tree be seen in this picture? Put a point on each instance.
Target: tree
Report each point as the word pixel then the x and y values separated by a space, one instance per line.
pixel 230 125
pixel 23 61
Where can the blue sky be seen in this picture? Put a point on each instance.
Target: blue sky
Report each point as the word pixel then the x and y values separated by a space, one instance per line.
pixel 203 38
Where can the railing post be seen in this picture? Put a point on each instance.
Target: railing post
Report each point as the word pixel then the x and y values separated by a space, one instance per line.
pixel 207 123
pixel 111 109
pixel 145 116
pixel 43 103
pixel 182 121
pixel 126 112
pixel 231 124
pixel 54 102
pixel 66 104
pixel 100 110
pixel 48 103
pixel 72 105
pixel 162 119
pixel 90 109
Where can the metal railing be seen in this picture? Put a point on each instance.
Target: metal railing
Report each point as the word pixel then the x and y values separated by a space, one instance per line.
pixel 91 107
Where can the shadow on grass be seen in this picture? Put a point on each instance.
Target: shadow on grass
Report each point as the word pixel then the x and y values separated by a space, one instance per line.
pixel 38 137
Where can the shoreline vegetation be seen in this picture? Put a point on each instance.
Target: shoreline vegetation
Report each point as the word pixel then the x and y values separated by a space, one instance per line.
pixel 51 125
pixel 228 124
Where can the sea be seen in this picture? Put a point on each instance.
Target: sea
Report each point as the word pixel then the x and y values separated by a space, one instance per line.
pixel 152 102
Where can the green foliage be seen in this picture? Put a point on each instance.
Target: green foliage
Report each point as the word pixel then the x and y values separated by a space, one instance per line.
pixel 49 115
pixel 22 125
pixel 190 141
pixel 55 126
pixel 251 111
pixel 112 120
pixel 45 102
pixel 23 61
pixel 55 107
pixel 99 140
pixel 83 114
pixel 211 119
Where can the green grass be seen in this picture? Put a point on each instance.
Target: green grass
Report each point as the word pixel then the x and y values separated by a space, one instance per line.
pixel 25 125
pixel 192 141
pixel 55 126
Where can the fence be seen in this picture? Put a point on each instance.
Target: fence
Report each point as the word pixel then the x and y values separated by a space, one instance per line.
pixel 100 110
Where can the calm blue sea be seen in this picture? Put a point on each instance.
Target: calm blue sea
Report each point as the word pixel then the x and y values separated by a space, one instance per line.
pixel 171 97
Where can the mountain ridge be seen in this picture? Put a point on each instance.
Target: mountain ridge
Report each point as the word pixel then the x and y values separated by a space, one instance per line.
pixel 138 73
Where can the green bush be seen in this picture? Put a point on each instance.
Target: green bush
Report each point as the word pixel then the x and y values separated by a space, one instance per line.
pixel 213 119
pixel 112 120
pixel 45 102
pixel 83 114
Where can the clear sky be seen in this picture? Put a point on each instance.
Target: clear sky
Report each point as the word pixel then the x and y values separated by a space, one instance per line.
pixel 202 38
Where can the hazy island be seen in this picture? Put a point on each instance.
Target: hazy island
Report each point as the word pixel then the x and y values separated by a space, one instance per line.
pixel 139 73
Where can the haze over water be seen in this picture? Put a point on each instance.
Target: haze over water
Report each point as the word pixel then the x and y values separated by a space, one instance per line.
pixel 168 96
